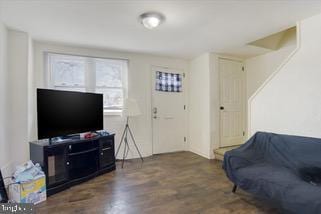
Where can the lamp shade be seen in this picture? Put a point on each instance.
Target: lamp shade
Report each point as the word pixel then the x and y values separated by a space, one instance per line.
pixel 131 108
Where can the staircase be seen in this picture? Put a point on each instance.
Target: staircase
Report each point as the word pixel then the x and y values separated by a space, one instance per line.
pixel 219 153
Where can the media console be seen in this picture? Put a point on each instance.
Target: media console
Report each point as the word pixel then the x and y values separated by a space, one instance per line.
pixel 73 161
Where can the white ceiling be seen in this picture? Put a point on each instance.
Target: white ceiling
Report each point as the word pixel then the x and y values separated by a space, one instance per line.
pixel 191 27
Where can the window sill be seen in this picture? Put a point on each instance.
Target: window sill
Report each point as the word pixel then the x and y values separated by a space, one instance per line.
pixel 113 112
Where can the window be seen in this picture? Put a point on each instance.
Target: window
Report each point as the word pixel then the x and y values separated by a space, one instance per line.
pixel 168 82
pixel 67 72
pixel 89 74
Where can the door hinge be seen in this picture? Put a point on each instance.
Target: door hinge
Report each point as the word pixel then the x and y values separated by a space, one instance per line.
pixel 184 107
pixel 184 75
pixel 184 139
pixel 242 68
pixel 243 133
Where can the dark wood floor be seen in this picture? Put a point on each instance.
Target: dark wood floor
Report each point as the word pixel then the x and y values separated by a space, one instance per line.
pixel 170 183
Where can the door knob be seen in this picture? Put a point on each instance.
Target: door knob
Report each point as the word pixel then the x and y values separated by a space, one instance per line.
pixel 155 110
pixel 222 107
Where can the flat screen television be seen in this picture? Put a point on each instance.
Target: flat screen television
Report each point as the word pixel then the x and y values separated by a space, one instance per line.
pixel 62 113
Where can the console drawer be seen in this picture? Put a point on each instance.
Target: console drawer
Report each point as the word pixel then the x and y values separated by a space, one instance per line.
pixel 79 147
pixel 107 156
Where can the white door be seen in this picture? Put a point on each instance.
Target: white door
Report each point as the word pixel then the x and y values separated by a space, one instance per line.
pixel 232 96
pixel 168 116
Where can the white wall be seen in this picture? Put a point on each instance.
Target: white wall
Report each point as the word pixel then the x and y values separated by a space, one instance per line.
pixel 200 106
pixel 15 64
pixel 4 141
pixel 204 102
pixel 139 86
pixel 32 123
pixel 18 51
pixel 291 101
pixel 260 68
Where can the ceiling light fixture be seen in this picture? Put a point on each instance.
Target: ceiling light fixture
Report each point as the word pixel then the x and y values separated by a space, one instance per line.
pixel 151 20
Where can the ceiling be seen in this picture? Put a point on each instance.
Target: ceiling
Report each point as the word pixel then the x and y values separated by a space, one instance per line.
pixel 192 27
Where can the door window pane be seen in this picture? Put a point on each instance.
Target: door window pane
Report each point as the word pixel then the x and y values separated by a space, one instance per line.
pixel 168 82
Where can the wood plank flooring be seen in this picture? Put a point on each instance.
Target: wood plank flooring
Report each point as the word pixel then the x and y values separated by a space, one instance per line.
pixel 180 182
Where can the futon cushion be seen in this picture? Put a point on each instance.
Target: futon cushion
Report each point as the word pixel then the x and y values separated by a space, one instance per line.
pixel 282 186
pixel 268 180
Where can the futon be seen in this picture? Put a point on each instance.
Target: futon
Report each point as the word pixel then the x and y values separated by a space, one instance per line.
pixel 284 169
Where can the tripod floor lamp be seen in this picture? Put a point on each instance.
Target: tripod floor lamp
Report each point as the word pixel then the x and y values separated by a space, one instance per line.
pixel 131 109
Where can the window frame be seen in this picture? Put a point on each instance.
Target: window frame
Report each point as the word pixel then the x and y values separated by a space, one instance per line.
pixel 90 77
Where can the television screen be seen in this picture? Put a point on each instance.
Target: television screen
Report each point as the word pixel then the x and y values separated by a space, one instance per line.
pixel 62 113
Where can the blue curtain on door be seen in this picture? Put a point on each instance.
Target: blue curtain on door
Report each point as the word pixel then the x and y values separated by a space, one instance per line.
pixel 168 82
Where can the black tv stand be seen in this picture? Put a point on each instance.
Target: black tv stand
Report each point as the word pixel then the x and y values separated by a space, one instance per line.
pixel 73 160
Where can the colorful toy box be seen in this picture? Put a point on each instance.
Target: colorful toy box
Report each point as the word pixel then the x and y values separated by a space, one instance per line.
pixel 29 192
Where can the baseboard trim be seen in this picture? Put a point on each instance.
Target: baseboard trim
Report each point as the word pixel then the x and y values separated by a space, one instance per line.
pixel 199 153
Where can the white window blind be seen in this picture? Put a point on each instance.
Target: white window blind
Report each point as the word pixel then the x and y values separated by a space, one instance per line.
pixel 89 74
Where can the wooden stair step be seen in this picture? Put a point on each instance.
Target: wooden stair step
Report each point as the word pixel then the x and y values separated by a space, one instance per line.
pixel 219 153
